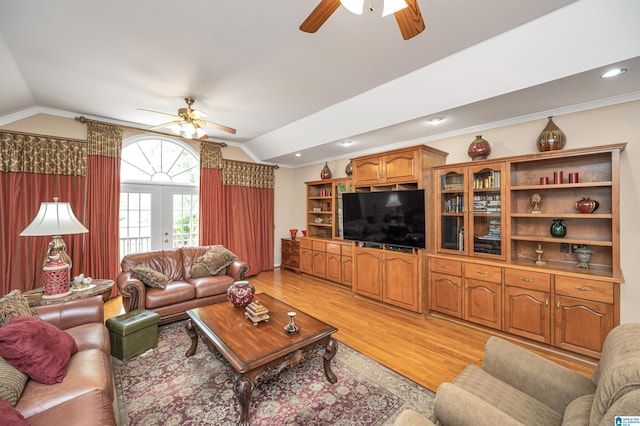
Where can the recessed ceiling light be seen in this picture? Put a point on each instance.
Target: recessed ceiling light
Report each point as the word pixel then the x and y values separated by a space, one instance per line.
pixel 614 72
pixel 298 154
pixel 347 143
pixel 435 121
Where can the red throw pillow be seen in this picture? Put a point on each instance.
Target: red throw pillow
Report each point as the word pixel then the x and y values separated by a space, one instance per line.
pixel 37 348
pixel 11 416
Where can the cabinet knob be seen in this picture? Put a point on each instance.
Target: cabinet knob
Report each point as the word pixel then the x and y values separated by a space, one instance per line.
pixel 558 306
pixel 458 284
pixel 546 303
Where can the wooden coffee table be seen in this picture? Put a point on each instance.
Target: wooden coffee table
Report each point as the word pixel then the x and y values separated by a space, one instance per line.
pixel 259 352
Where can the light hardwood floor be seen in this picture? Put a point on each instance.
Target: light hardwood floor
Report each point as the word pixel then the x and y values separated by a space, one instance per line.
pixel 427 350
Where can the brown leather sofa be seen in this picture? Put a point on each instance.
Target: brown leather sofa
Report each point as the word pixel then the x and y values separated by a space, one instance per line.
pixel 183 292
pixel 85 395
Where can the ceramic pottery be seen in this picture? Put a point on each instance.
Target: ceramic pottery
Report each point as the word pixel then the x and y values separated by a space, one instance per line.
pixel 479 149
pixel 551 138
pixel 558 230
pixel 325 173
pixel 240 293
pixel 584 257
pixel 348 170
pixel 587 205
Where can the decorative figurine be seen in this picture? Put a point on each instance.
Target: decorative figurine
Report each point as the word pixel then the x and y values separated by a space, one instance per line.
pixel 535 201
pixel 539 253
pixel 256 312
pixel 291 327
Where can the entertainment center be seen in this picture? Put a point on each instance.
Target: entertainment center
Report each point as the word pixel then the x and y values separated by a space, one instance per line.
pixel 484 252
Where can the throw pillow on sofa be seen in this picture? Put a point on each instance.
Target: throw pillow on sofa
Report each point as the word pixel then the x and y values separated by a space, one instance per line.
pixel 150 277
pixel 11 416
pixel 37 348
pixel 12 382
pixel 213 260
pixel 13 304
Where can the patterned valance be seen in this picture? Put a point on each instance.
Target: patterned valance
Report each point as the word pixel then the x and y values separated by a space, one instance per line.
pixel 210 156
pixel 30 153
pixel 104 139
pixel 239 173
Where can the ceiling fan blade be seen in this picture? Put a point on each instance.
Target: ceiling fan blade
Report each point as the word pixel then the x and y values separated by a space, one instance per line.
pixel 410 20
pixel 164 125
pixel 159 112
pixel 219 127
pixel 319 16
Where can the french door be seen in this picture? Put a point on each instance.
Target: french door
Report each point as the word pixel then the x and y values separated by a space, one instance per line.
pixel 157 216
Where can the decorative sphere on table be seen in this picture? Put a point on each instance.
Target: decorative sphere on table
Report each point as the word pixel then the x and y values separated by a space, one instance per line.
pixel 240 293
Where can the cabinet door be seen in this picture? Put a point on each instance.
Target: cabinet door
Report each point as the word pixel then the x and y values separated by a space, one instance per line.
pixel 306 260
pixel 483 303
pixel 367 171
pixel 401 281
pixel 451 215
pixel 486 215
pixel 334 267
pixel 581 325
pixel 527 313
pixel 368 279
pixel 347 270
pixel 446 294
pixel 319 264
pixel 400 167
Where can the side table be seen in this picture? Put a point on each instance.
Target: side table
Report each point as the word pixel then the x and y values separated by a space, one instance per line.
pixel 102 287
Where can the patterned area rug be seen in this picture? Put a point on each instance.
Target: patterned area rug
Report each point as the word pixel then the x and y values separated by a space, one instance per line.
pixel 164 387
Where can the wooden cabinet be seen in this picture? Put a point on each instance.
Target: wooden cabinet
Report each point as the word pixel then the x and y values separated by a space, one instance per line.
pixel 446 286
pixel 527 299
pixel 585 313
pixel 391 277
pixel 469 212
pixel 324 207
pixel 398 166
pixel 290 254
pixel 306 256
pixel 313 257
pixel 331 260
pixel 347 265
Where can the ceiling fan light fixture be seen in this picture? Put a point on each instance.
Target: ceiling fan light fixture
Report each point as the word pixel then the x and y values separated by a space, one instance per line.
pixel 392 6
pixel 354 6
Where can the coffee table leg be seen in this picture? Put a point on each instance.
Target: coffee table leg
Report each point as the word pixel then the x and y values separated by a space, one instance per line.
pixel 191 331
pixel 329 353
pixel 243 389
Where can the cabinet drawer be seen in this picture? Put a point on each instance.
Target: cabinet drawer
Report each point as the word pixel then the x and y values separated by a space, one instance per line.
pixel 446 266
pixel 305 243
pixel 332 248
pixel 347 250
pixel 492 274
pixel 319 245
pixel 527 279
pixel 585 289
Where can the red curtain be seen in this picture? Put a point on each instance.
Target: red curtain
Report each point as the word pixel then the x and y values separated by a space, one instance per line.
pixel 248 225
pixel 210 222
pixel 21 193
pixel 102 217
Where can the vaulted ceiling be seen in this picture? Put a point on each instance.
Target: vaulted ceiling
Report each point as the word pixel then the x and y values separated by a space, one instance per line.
pixel 478 63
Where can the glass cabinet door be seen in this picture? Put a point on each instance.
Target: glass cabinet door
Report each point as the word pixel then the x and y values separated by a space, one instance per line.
pixel 486 218
pixel 452 211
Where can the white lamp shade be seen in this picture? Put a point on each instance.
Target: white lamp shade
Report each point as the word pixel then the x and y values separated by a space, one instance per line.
pixel 54 219
pixel 354 6
pixel 392 6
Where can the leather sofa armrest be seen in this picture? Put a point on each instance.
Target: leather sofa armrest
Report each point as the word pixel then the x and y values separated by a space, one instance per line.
pixel 457 407
pixel 237 270
pixel 73 313
pixel 552 384
pixel 132 291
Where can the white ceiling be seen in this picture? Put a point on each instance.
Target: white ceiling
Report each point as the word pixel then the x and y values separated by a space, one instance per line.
pixel 478 63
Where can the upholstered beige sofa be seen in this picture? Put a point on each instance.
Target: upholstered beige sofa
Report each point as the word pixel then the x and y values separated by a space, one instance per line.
pixel 184 290
pixel 517 387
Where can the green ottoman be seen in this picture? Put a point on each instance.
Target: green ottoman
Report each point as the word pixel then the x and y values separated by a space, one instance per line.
pixel 133 333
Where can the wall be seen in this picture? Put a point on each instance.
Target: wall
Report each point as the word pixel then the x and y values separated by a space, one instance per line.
pixel 601 126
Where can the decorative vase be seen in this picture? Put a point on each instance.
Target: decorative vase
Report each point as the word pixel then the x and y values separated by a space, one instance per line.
pixel 584 257
pixel 587 205
pixel 293 233
pixel 325 173
pixel 551 138
pixel 240 293
pixel 558 230
pixel 348 170
pixel 479 149
pixel 292 327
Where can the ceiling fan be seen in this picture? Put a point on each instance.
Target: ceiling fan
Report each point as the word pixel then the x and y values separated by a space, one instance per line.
pixel 189 122
pixel 407 13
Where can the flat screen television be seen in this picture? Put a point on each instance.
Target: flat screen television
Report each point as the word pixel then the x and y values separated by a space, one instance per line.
pixel 395 218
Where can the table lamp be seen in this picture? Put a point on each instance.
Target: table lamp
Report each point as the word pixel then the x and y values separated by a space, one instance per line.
pixel 55 219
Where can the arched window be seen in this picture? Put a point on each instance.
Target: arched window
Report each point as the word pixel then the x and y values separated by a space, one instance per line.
pixel 159 194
